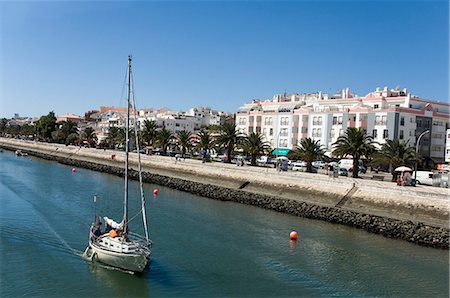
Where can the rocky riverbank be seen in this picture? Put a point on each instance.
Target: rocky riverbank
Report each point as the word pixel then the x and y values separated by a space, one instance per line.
pixel 319 203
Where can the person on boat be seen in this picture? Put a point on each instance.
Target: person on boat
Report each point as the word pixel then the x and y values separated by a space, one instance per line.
pixel 112 225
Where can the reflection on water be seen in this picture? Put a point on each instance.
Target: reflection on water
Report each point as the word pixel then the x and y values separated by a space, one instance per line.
pixel 201 247
pixel 115 279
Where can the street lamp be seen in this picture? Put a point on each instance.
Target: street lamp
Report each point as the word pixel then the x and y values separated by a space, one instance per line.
pixel 417 152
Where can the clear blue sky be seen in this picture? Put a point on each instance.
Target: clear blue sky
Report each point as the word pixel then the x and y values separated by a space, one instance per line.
pixel 71 56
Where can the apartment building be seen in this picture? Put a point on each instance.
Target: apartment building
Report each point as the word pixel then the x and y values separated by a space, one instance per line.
pixel 193 120
pixel 385 114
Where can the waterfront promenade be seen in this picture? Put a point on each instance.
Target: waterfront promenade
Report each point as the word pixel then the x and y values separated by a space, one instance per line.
pixel 429 205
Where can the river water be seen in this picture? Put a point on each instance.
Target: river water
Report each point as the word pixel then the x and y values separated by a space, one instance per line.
pixel 201 247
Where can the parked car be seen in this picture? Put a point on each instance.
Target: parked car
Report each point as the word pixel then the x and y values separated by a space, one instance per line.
pixel 318 164
pixel 343 172
pixel 265 160
pixel 301 167
pixel 424 177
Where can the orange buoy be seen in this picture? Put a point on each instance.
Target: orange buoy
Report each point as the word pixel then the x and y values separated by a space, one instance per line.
pixel 113 234
pixel 74 170
pixel 293 235
pixel 155 192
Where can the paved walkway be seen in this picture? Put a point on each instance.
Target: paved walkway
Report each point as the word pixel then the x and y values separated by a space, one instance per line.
pixel 371 190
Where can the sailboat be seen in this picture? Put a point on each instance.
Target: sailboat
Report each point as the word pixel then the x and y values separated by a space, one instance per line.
pixel 117 246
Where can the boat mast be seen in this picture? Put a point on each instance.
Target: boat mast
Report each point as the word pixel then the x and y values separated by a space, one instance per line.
pixel 127 148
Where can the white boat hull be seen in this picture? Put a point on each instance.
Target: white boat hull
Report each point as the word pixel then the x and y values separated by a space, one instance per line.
pixel 132 261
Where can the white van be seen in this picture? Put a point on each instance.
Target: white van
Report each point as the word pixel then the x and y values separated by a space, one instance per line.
pixel 424 177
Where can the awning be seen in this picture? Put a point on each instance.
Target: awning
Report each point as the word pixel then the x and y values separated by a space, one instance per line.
pixel 280 151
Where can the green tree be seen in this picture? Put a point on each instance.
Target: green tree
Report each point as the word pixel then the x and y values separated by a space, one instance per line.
pixel 65 128
pixel 355 143
pixel 205 141
pixel 255 145
pixel 395 153
pixel 45 126
pixel 229 138
pixel 3 123
pixel 164 139
pixel 116 136
pixel 72 139
pixel 309 151
pixel 88 114
pixel 27 130
pixel 184 140
pixel 88 135
pixel 149 132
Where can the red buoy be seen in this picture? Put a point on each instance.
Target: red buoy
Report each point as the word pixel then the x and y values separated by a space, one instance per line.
pixel 155 192
pixel 293 235
pixel 74 170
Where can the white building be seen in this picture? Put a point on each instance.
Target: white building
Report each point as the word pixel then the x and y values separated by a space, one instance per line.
pixel 385 114
pixel 447 147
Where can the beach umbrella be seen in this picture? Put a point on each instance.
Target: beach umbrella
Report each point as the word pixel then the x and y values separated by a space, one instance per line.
pixel 403 169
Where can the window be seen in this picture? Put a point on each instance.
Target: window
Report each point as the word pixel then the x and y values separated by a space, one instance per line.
pixel 317 132
pixel 383 120
pixel 283 142
pixel 436 148
pixel 374 134
pixel 397 105
pixel 402 121
pixel 341 132
pixel 375 106
pixel 264 131
pixel 385 134
pixel 340 120
pixel 332 133
pixel 268 121
pixel 242 121
pixel 284 132
pixel 317 120
pixel 284 121
pixel 401 134
pixel 427 124
pixel 419 122
pixel 304 129
pixel 377 120
pixel 271 132
pixel 335 120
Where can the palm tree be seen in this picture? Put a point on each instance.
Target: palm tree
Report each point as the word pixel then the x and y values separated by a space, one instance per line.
pixel 355 143
pixel 149 133
pixel 395 153
pixel 255 145
pixel 309 151
pixel 88 135
pixel 116 136
pixel 228 137
pixel 164 138
pixel 205 141
pixel 184 140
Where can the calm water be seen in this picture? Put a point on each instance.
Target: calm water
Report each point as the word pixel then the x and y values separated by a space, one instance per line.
pixel 202 247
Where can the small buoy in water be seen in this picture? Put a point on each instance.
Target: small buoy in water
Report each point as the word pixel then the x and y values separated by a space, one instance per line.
pixel 293 235
pixel 74 170
pixel 155 192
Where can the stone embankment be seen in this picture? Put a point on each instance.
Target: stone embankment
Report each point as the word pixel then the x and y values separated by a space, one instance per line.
pixel 418 215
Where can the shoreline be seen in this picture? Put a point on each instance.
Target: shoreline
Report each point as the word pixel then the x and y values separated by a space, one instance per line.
pixel 419 216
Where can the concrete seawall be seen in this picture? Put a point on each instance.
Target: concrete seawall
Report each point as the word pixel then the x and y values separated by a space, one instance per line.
pixel 417 215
